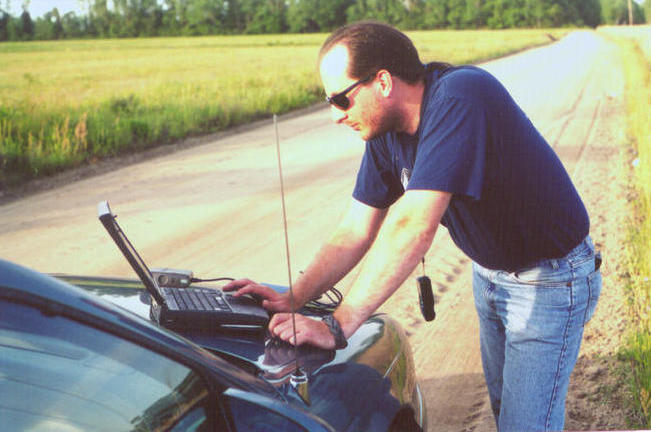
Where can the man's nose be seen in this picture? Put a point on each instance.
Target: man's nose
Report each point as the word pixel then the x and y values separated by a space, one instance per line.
pixel 338 115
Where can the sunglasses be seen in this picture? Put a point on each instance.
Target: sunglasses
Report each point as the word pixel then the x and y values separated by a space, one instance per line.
pixel 340 100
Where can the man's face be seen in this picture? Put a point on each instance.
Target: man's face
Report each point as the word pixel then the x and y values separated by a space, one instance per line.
pixel 363 113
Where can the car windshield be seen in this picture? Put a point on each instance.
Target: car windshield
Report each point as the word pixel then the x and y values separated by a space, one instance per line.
pixel 57 374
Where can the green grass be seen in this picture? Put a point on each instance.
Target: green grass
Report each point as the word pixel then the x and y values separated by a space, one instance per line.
pixel 65 103
pixel 635 44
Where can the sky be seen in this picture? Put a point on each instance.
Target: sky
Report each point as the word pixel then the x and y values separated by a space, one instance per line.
pixel 38 8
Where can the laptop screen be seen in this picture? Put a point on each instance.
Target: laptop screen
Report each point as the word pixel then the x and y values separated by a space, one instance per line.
pixel 119 237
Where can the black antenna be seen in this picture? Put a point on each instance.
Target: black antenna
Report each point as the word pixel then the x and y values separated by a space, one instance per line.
pixel 289 265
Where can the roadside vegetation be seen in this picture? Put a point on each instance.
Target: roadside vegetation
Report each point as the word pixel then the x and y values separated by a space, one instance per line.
pixel 635 43
pixel 66 103
pixel 151 18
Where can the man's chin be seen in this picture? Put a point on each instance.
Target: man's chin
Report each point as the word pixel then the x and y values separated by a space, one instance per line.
pixel 375 131
pixel 367 135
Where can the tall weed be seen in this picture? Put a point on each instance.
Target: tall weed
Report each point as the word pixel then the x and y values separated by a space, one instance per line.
pixel 637 350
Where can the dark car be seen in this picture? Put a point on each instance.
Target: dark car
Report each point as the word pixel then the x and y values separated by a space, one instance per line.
pixel 80 354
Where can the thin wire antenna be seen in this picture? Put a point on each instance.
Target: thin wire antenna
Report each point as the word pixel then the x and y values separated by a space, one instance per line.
pixel 289 265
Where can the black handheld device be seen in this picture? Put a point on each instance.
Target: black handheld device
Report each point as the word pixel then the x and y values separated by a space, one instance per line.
pixel 426 298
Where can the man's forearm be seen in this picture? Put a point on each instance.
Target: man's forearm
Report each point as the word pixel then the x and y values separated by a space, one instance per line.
pixel 391 260
pixel 333 261
pixel 345 248
pixel 402 242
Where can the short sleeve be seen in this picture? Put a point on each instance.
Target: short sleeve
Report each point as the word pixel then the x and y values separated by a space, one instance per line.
pixel 451 153
pixel 376 185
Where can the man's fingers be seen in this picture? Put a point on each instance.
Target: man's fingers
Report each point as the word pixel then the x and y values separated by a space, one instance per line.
pixel 287 335
pixel 252 288
pixel 236 284
pixel 272 300
pixel 281 326
pixel 308 330
pixel 278 319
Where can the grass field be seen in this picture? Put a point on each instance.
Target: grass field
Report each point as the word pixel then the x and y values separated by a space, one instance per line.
pixel 635 45
pixel 64 103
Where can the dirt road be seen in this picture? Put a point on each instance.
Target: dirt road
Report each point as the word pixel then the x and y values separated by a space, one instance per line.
pixel 215 208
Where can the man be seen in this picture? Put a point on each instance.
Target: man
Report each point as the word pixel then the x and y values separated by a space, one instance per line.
pixel 448 145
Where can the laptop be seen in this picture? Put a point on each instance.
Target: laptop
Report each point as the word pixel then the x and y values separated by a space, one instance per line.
pixel 192 308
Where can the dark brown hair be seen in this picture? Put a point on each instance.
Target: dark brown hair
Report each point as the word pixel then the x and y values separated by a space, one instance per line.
pixel 373 46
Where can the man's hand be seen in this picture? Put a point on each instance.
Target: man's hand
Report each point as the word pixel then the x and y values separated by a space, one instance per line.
pixel 308 330
pixel 272 300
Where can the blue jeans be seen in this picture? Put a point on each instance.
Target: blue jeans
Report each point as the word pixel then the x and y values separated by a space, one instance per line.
pixel 530 329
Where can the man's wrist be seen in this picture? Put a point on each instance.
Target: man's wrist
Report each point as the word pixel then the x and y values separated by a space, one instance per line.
pixel 337 332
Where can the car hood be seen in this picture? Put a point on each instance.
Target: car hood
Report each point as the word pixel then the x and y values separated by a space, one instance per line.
pixel 374 374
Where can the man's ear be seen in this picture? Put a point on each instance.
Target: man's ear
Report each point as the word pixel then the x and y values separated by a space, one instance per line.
pixel 385 80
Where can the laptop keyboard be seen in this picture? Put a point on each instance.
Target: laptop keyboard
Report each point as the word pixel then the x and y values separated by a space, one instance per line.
pixel 202 299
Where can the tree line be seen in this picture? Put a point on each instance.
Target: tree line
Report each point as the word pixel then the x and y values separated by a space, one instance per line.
pixel 150 18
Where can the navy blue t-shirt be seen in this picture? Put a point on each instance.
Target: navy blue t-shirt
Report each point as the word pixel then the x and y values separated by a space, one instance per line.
pixel 513 202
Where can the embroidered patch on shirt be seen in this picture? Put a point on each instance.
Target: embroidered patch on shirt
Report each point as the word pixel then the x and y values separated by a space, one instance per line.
pixel 404 177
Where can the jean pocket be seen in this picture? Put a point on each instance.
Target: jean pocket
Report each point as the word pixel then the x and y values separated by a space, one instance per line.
pixel 594 290
pixel 543 275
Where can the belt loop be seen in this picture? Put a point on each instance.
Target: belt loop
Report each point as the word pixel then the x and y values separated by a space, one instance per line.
pixel 554 263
